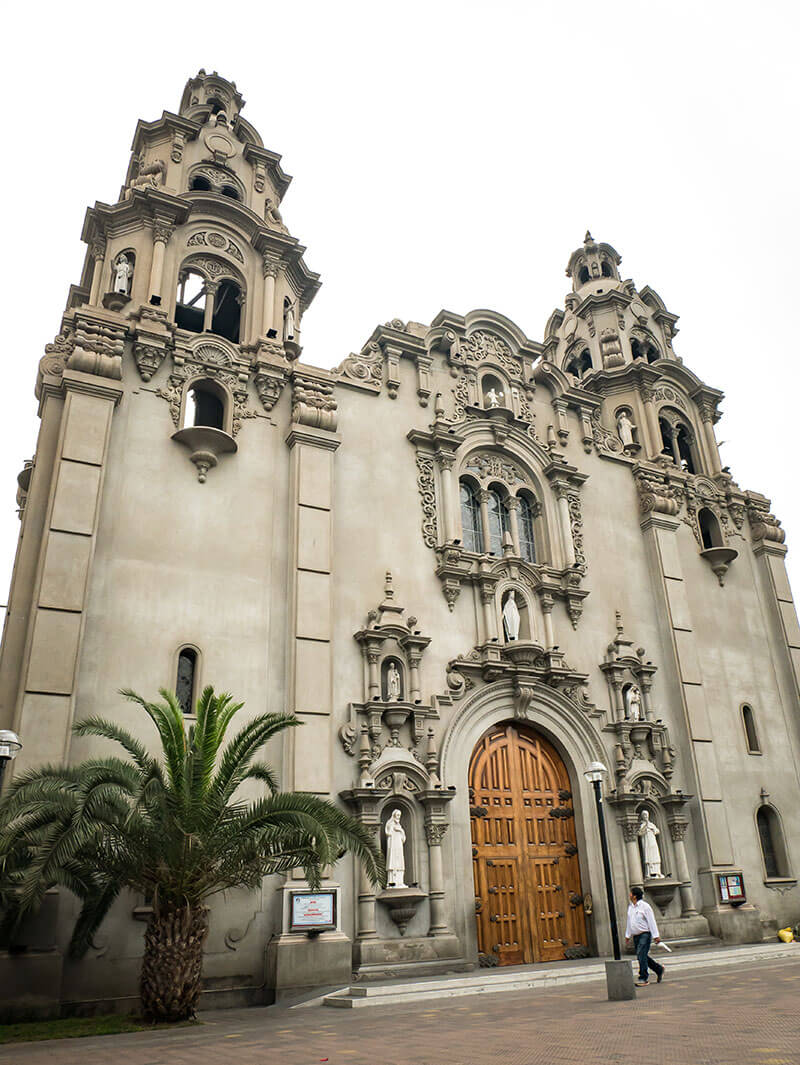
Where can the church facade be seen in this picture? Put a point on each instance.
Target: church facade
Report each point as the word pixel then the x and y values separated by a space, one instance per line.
pixel 470 562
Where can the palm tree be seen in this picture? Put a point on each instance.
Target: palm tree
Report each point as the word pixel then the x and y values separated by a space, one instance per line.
pixel 175 829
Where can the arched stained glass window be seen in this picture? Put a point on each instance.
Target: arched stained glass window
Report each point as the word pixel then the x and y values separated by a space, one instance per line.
pixel 527 542
pixel 471 532
pixel 498 521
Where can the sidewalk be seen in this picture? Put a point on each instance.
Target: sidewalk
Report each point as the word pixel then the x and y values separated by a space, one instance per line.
pixel 743 1014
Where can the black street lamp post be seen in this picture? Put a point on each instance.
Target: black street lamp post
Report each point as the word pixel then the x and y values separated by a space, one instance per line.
pixel 619 975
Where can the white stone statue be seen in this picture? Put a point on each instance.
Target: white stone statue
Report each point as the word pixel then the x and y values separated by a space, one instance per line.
pixel 123 272
pixel 626 429
pixel 633 704
pixel 511 618
pixel 494 397
pixel 288 322
pixel 392 683
pixel 647 833
pixel 395 857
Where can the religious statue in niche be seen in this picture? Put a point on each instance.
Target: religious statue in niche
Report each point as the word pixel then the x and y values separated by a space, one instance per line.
pixel 633 703
pixel 493 397
pixel 123 272
pixel 288 320
pixel 511 617
pixel 626 430
pixel 651 855
pixel 395 855
pixel 394 688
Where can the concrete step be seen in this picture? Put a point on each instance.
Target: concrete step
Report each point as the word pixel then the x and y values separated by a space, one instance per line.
pixel 524 978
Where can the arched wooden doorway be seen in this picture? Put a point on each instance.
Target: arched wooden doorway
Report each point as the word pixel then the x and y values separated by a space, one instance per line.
pixel 528 897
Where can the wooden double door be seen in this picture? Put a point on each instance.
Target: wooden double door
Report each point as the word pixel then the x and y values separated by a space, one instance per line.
pixel 528 899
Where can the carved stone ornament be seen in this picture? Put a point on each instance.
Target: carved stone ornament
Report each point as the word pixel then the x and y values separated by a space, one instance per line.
pixel 605 441
pixel 269 384
pixel 488 465
pixel 763 525
pixel 482 346
pixel 148 358
pixel 313 402
pixel 434 834
pixel 97 347
pixel 657 494
pixel 427 490
pixel 366 367
pixel 212 239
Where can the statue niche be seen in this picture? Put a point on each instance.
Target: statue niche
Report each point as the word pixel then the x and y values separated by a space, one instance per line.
pixel 516 616
pixel 648 833
pixel 392 686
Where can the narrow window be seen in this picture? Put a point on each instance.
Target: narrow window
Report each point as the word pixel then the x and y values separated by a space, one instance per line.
pixel 773 849
pixel 527 543
pixel 583 275
pixel 230 192
pixel 204 407
pixel 184 685
pixel 199 184
pixel 606 269
pixel 471 532
pixel 498 522
pixel 227 311
pixel 710 532
pixel 753 746
pixel 684 458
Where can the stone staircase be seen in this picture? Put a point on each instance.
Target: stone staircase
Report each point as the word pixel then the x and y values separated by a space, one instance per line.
pixel 539 977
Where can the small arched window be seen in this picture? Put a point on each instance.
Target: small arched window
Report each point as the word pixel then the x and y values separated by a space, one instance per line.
pixel 186 679
pixel 205 405
pixel 471 531
pixel 498 521
pixel 643 349
pixel 199 184
pixel 226 319
pixel 676 442
pixel 230 192
pixel 527 541
pixel 685 456
pixel 580 364
pixel 773 847
pixel 190 307
pixel 606 269
pixel 710 532
pixel 583 275
pixel 751 735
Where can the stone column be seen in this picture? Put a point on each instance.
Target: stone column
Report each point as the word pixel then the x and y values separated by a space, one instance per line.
pixel 489 618
pixel 161 236
pixel 707 414
pixel 653 432
pixel 677 830
pixel 414 688
pixel 434 833
pixel 547 613
pixel 208 313
pixel 98 253
pixel 374 681
pixel 564 523
pixel 270 270
pixel 367 923
pixel 483 497
pixel 445 461
pixel 632 852
pixel 513 514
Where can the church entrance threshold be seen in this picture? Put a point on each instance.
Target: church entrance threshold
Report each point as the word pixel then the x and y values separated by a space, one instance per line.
pixel 528 899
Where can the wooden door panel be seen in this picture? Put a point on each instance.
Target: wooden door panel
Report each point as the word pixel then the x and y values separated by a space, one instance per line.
pixel 523 875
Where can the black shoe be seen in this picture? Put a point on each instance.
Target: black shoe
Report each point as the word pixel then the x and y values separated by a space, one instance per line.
pixel 660 976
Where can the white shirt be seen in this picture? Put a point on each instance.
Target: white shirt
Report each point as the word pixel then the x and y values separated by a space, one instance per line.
pixel 641 919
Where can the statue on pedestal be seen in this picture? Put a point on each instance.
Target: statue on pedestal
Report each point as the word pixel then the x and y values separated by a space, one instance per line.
pixel 288 322
pixel 511 617
pixel 633 704
pixel 395 857
pixel 626 429
pixel 647 833
pixel 494 397
pixel 123 272
pixel 393 683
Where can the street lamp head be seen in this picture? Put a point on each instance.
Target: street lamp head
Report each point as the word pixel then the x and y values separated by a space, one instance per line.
pixel 595 772
pixel 10 745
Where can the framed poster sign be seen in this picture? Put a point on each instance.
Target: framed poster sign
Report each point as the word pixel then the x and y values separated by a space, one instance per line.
pixel 312 911
pixel 731 887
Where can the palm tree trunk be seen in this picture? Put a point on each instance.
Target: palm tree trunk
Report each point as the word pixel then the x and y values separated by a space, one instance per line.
pixel 173 963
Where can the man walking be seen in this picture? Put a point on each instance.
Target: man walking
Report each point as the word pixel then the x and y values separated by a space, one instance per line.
pixel 642 926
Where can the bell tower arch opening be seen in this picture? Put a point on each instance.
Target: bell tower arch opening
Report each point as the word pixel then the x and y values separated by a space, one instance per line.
pixel 528 897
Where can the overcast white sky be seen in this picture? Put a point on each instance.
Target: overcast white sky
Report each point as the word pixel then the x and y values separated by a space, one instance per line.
pixel 446 155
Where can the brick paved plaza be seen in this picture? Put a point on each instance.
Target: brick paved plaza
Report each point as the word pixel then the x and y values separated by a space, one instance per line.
pixel 742 1016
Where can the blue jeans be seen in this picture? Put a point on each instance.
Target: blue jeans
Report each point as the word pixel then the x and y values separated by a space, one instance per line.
pixel 641 944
